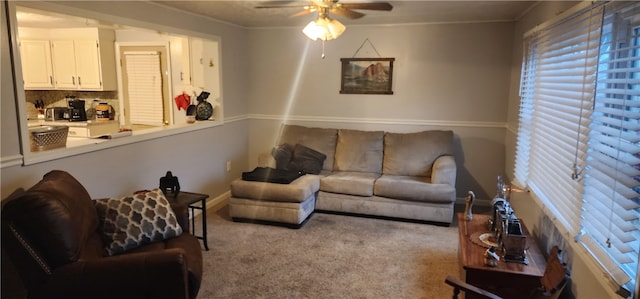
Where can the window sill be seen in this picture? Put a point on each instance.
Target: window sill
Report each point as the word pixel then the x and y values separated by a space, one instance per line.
pixel 79 145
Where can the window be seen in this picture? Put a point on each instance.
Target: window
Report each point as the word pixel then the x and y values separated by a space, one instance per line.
pixel 578 146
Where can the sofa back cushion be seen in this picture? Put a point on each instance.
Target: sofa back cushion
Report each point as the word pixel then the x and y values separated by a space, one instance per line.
pixel 413 154
pixel 56 217
pixel 282 154
pixel 319 139
pixel 359 151
pixel 306 160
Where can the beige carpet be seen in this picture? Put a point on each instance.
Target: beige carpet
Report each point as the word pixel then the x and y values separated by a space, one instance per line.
pixel 331 256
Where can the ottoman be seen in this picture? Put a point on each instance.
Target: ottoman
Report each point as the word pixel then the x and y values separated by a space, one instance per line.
pixel 272 203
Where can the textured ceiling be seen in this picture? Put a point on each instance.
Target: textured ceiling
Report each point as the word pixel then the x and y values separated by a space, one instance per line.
pixel 244 13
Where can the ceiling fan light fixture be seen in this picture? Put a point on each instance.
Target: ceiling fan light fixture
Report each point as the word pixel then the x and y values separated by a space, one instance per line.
pixel 324 28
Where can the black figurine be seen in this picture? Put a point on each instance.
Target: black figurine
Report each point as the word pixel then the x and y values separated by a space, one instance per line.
pixel 169 183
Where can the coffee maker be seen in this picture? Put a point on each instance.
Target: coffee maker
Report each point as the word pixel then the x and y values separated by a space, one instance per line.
pixel 76 109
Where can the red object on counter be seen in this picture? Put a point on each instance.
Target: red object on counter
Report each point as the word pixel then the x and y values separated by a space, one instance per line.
pixel 183 101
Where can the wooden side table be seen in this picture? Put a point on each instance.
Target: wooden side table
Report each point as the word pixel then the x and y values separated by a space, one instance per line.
pixel 507 279
pixel 194 201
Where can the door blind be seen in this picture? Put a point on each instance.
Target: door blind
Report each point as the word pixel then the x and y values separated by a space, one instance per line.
pixel 144 82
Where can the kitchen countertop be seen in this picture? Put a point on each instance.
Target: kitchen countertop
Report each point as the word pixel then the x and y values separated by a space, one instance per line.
pixel 41 122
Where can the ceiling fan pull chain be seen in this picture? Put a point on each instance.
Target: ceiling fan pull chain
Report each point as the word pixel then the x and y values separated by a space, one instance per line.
pixel 323 48
pixel 372 46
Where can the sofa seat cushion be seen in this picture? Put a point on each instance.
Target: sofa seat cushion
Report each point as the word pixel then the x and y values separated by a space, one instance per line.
pixel 359 151
pixel 413 188
pixel 296 191
pixel 348 182
pixel 413 154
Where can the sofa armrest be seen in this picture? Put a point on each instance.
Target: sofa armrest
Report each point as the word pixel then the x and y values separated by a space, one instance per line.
pixel 444 171
pixel 158 274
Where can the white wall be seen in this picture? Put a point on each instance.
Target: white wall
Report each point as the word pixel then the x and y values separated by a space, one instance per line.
pixel 445 77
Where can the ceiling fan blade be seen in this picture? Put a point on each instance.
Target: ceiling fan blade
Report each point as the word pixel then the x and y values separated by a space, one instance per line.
pixel 302 13
pixel 368 6
pixel 281 4
pixel 345 12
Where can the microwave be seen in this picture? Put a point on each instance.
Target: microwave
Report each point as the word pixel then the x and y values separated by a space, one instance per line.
pixel 56 113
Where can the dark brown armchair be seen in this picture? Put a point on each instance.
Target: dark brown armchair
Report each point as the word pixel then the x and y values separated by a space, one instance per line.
pixel 552 283
pixel 51 234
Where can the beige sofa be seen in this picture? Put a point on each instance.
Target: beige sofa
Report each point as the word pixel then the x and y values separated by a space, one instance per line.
pixel 397 175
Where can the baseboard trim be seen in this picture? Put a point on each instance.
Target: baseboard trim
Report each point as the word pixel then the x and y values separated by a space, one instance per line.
pixel 216 203
pixel 219 201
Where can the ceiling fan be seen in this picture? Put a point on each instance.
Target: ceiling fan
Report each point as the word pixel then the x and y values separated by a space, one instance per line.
pixel 325 28
pixel 346 10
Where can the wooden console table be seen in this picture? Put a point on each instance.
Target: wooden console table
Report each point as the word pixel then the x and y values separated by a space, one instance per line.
pixel 507 279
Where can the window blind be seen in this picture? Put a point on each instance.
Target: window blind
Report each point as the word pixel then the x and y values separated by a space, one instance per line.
pixel 558 81
pixel 578 140
pixel 610 217
pixel 144 79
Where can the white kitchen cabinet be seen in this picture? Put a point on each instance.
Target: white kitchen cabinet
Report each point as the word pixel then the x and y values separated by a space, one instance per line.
pixel 79 58
pixel 196 54
pixel 185 62
pixel 204 55
pixel 77 64
pixel 88 64
pixel 37 72
pixel 64 64
pixel 80 64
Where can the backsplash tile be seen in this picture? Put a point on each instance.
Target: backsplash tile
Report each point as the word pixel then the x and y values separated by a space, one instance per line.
pixel 56 98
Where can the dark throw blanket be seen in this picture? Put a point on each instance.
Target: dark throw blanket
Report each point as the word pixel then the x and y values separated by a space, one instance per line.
pixel 271 175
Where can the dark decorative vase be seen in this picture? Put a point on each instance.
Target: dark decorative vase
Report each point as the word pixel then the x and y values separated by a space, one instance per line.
pixel 204 109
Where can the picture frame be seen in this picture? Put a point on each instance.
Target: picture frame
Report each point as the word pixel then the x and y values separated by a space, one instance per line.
pixel 366 76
